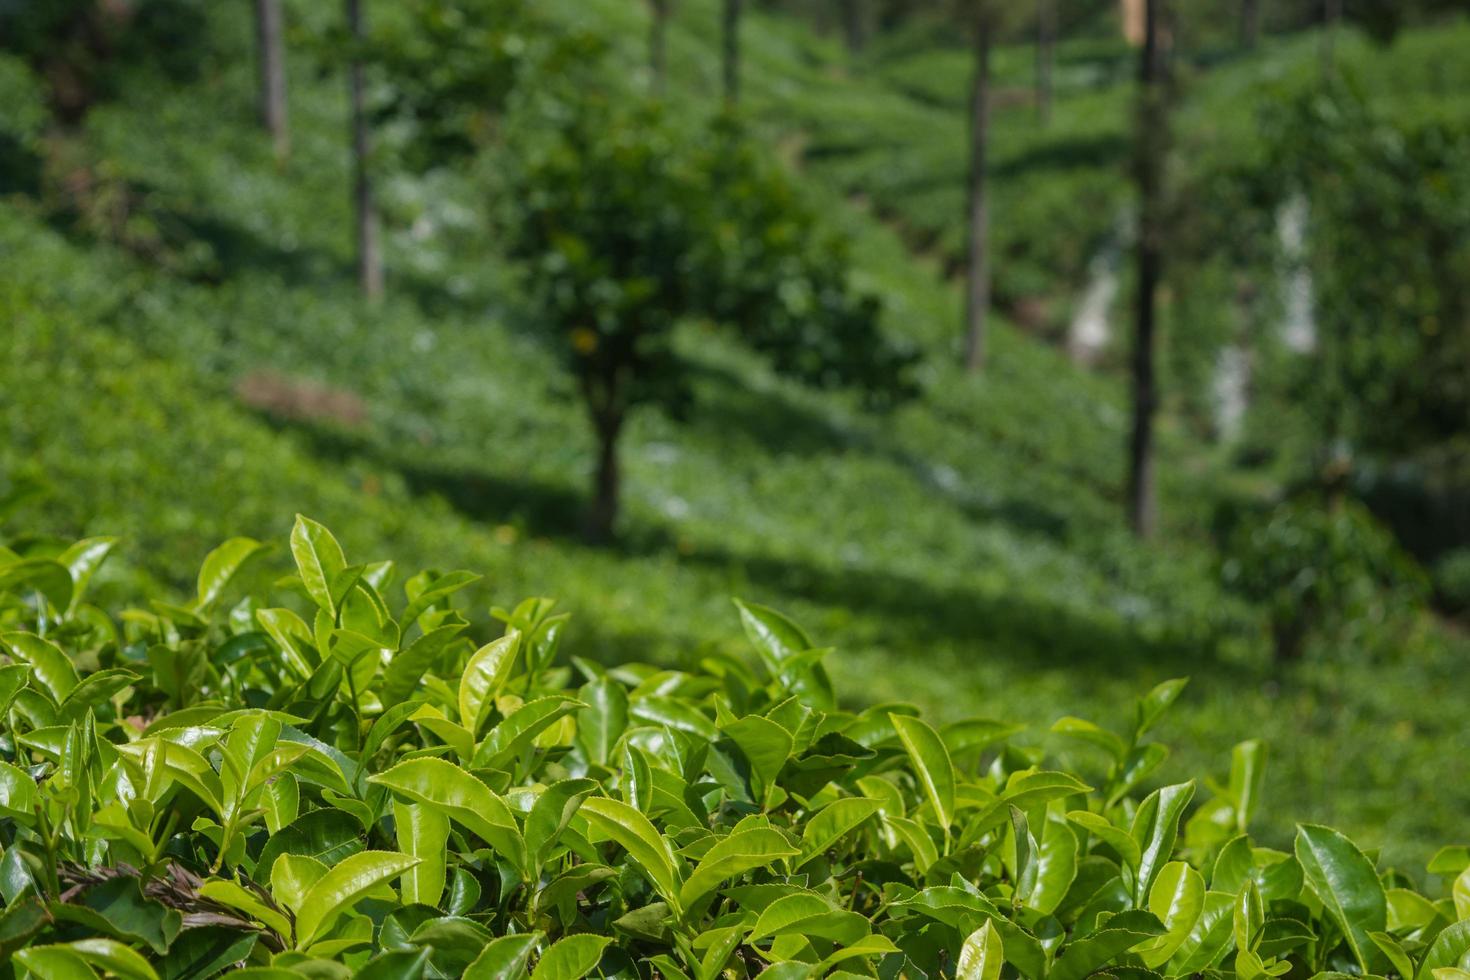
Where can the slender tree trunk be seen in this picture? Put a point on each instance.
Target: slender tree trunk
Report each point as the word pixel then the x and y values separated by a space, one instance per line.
pixel 1046 48
pixel 732 51
pixel 272 53
pixel 852 25
pixel 1131 13
pixel 369 250
pixel 1250 24
pixel 1331 20
pixel 1151 146
pixel 977 278
pixel 602 516
pixel 657 45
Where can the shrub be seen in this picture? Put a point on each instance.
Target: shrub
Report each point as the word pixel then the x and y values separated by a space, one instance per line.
pixel 80 46
pixel 1321 570
pixel 1452 581
pixel 1390 238
pixel 314 781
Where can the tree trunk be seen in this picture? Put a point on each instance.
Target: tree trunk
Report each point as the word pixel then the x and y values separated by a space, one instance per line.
pixel 852 25
pixel 1046 47
pixel 1151 146
pixel 1288 637
pixel 732 51
pixel 657 44
pixel 1331 19
pixel 1131 13
pixel 272 54
pixel 1250 24
pixel 602 515
pixel 369 252
pixel 977 278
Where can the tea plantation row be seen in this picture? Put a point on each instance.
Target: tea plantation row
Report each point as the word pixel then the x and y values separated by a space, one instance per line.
pixel 328 779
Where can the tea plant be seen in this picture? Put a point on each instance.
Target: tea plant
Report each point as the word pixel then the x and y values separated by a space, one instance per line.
pixel 327 781
pixel 1325 570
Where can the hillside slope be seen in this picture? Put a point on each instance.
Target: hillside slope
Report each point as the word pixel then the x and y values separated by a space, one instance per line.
pixel 967 552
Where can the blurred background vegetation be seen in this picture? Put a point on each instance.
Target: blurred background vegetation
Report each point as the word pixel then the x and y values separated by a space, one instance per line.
pixel 643 304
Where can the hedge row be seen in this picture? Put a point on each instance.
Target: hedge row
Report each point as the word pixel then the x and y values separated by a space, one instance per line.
pixel 332 779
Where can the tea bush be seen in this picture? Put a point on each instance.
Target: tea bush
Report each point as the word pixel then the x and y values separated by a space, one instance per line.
pixel 322 780
pixel 1452 581
pixel 1325 570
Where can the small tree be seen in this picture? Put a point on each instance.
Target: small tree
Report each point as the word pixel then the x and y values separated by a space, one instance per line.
pixel 629 229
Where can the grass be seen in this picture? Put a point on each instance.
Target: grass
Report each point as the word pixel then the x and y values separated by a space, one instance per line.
pixel 967 552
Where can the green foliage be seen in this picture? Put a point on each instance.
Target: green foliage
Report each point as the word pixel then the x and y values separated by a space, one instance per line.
pixel 1008 571
pixel 1390 239
pixel 1325 571
pixel 82 47
pixel 235 783
pixel 630 227
pixel 450 68
pixel 1452 580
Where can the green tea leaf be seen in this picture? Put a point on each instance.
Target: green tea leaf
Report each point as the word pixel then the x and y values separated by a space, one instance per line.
pixel 397 964
pixel 292 876
pixel 230 894
pixel 742 851
pixel 1119 934
pixel 1208 939
pixel 459 796
pixel 49 665
pixel 1115 837
pixel 1177 899
pixel 422 832
pixel 55 963
pixel 1448 950
pixel 833 822
pixel 319 559
pixel 570 958
pixel 981 956
pixel 633 832
pixel 342 886
pixel 603 719
pixel 1247 772
pixel 931 766
pixel 778 640
pixel 1056 866
pixel 1347 885
pixel 808 914
pixel 1155 829
pixel 1153 704
pixel 553 812
pixel 766 746
pixel 220 566
pixel 483 677
pixel 504 958
pixel 326 836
